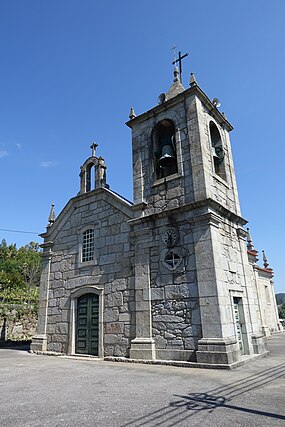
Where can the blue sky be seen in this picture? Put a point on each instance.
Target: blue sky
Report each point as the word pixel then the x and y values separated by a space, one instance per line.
pixel 71 70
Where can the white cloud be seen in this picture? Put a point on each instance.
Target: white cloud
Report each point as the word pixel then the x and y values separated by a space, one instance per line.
pixel 48 164
pixel 3 151
pixel 19 146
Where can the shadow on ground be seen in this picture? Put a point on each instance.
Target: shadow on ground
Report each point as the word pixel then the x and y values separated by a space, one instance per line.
pixel 15 345
pixel 186 406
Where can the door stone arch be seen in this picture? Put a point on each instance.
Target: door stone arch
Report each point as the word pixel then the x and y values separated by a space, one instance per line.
pixel 86 321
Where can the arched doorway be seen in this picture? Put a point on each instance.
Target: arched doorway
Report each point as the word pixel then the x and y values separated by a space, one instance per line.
pixel 87 325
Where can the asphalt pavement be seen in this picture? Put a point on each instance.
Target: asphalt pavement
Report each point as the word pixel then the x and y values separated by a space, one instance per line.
pixel 57 391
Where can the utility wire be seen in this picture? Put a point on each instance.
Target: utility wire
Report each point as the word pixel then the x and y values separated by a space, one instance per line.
pixel 19 231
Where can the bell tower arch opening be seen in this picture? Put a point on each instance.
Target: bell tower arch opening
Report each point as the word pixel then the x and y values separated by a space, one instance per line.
pixel 165 158
pixel 217 151
pixel 93 172
pixel 90 177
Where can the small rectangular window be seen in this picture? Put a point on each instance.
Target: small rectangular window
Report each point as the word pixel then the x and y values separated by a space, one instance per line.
pixel 88 245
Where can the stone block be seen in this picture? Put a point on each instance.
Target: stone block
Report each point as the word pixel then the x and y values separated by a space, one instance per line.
pixel 114 299
pixel 169 336
pixel 119 285
pixel 176 343
pixel 112 339
pixel 124 308
pixel 167 319
pixel 160 342
pixel 65 315
pixel 177 292
pixel 114 328
pixel 59 338
pixel 51 328
pixel 108 350
pixel 187 332
pixel 64 303
pixel 173 326
pixel 120 351
pixel 55 347
pixel 111 315
pixel 107 288
pixel 61 328
pixel 52 302
pixel 175 354
pixel 107 259
pixel 157 294
pixel 58 292
pixel 127 330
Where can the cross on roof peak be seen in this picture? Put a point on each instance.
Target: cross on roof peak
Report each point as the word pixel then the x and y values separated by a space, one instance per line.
pixel 179 61
pixel 93 148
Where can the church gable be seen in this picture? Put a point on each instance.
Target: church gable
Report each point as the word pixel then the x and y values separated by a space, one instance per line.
pixel 87 271
pixel 101 212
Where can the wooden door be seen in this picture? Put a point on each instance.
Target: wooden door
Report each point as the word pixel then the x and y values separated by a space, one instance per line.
pixel 87 325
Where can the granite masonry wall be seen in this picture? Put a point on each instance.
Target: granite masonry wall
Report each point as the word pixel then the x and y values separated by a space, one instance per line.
pixel 110 271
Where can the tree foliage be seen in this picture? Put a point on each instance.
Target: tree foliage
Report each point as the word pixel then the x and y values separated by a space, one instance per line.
pixel 19 272
pixel 280 298
pixel 281 311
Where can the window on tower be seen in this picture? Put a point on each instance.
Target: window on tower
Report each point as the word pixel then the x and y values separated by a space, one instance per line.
pixel 164 149
pixel 217 151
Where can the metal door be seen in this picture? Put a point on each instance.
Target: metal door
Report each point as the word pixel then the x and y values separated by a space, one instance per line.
pixel 87 325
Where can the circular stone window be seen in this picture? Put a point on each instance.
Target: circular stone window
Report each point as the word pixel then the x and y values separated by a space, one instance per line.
pixel 172 259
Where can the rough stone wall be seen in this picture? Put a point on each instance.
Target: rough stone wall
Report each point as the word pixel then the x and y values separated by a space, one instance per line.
pixel 167 192
pixel 224 191
pixel 119 304
pixel 175 305
pixel 238 282
pixel 169 195
pixel 231 257
pixel 252 278
pixel 111 270
pixel 267 301
pixel 17 323
pixel 196 178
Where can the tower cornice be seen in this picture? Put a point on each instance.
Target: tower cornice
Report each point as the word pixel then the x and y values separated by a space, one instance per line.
pixel 209 203
pixel 194 90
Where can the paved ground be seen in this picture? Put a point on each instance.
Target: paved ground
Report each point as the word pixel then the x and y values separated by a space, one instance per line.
pixel 56 391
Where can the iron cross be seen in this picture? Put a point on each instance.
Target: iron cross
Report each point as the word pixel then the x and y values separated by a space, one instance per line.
pixel 179 60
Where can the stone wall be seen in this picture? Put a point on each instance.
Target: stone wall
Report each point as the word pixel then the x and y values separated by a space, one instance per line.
pixel 17 323
pixel 110 272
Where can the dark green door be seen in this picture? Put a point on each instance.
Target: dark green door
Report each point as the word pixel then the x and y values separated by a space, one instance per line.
pixel 237 302
pixel 87 325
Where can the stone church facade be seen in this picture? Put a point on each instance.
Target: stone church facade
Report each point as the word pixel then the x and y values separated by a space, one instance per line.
pixel 171 276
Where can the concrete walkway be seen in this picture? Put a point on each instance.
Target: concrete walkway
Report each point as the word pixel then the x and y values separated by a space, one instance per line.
pixel 57 391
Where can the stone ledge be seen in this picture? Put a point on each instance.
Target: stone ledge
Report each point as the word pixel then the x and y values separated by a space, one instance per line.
pixel 244 360
pixel 180 364
pixel 46 353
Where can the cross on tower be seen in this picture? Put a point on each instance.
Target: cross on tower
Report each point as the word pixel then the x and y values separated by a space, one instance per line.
pixel 179 60
pixel 93 148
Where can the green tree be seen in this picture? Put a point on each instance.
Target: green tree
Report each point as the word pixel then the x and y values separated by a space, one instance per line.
pixel 281 311
pixel 280 298
pixel 19 272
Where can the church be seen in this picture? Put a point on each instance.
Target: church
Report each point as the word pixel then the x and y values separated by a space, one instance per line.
pixel 171 276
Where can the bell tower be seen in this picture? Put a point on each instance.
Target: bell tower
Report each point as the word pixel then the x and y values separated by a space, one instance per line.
pixel 190 252
pixel 182 147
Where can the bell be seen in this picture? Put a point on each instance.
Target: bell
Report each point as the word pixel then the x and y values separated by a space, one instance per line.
pixel 214 153
pixel 167 158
